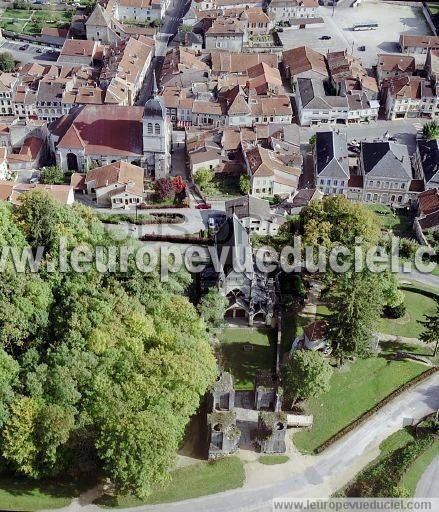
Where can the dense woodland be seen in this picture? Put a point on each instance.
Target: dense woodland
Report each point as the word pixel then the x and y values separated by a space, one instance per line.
pixel 99 372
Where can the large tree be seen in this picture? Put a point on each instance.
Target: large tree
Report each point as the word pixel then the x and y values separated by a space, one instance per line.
pixel 337 221
pixel 430 334
pixel 306 374
pixel 213 307
pixel 100 372
pixel 431 130
pixel 7 62
pixel 52 175
pixel 357 302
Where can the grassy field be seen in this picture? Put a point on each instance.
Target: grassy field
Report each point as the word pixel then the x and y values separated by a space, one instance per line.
pixel 399 223
pixel 419 301
pixel 271 460
pixel 31 22
pixel 189 482
pixel 25 494
pixel 434 7
pixel 245 351
pixel 412 476
pixel 353 391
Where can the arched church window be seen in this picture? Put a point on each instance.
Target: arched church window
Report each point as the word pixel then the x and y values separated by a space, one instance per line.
pixel 157 128
pixel 149 127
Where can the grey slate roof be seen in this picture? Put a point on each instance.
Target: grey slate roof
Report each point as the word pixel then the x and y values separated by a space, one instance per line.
pixel 332 155
pixel 429 157
pixel 386 160
pixel 313 95
pixel 249 206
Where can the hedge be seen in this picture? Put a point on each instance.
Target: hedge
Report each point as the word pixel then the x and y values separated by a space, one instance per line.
pixel 366 415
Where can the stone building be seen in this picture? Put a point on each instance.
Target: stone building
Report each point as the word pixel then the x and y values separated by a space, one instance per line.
pixel 268 393
pixel 223 393
pixel 223 434
pixel 272 427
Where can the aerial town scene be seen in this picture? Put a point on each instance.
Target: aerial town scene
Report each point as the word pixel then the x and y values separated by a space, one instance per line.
pixel 219 270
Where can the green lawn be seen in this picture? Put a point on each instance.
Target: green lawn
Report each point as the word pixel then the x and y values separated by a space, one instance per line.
pixel 412 476
pixel 189 482
pixel 16 20
pixel 223 186
pixel 246 350
pixel 419 301
pixel 353 391
pixel 398 222
pixel 271 460
pixel 24 494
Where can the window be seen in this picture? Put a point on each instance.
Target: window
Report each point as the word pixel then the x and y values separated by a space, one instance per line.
pixel 157 128
pixel 149 127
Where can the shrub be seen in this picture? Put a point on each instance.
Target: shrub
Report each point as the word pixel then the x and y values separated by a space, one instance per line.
pixel 395 311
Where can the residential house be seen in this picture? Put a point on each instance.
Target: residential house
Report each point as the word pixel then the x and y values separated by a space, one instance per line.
pixel 256 22
pixel 264 80
pixel 271 109
pixel 427 162
pixel 410 96
pixel 387 172
pixel 116 185
pixel 78 52
pixel 226 34
pixel 285 10
pixel 12 191
pixel 125 68
pixel 427 220
pixel 49 100
pixel 8 83
pixel 269 176
pixel 255 215
pixel 331 163
pixel 418 44
pixel 29 156
pixel 137 11
pixel 303 62
pixel 302 198
pixel 390 66
pixel 315 106
pixel 432 66
pixel 225 62
pixel 210 114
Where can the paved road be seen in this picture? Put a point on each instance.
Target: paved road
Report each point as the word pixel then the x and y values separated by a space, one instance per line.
pixel 30 54
pixel 428 485
pixel 168 30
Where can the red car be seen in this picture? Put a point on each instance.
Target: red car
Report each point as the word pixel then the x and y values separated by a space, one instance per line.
pixel 204 206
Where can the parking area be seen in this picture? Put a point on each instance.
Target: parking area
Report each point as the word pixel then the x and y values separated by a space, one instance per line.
pixel 26 52
pixel 392 20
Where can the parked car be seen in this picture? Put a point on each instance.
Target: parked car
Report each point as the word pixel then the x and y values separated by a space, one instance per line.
pixel 280 29
pixel 325 38
pixel 39 50
pixel 24 47
pixel 204 206
pixel 212 222
pixel 362 48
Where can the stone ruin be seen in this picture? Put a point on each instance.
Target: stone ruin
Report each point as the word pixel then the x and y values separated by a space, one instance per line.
pixel 268 393
pixel 272 427
pixel 223 434
pixel 223 393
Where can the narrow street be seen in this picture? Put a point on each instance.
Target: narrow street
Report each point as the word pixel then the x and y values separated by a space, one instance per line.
pixel 167 32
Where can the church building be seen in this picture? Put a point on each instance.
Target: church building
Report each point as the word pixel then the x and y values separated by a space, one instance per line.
pixel 103 134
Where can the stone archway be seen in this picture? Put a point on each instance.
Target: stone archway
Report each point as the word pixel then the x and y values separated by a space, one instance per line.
pixel 72 162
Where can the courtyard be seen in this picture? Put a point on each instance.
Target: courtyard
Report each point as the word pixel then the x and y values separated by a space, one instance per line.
pixel 392 19
pixel 245 351
pixel 30 22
